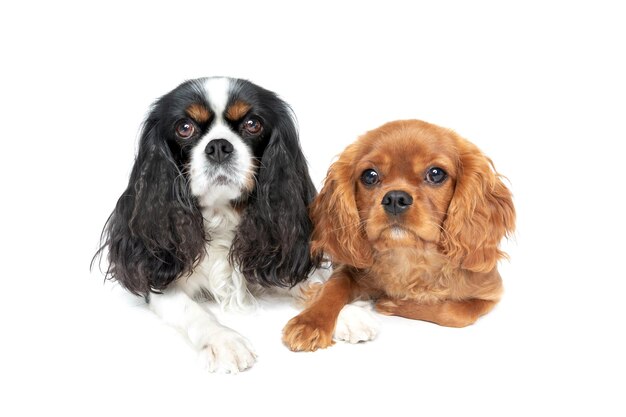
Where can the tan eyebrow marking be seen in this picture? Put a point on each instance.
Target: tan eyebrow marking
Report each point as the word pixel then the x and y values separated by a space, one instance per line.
pixel 198 112
pixel 237 110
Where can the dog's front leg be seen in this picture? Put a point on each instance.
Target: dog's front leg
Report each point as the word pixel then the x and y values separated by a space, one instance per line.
pixel 220 348
pixel 313 328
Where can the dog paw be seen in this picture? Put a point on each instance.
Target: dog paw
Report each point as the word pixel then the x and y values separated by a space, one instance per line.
pixel 356 324
pixel 228 352
pixel 302 333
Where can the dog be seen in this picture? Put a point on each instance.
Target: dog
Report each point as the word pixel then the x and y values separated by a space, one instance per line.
pixel 216 206
pixel 411 215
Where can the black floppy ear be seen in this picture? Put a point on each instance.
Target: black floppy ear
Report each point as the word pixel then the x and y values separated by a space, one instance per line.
pixel 271 246
pixel 155 232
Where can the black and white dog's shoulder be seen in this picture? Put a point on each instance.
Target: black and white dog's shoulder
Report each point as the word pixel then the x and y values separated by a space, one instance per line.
pixel 217 200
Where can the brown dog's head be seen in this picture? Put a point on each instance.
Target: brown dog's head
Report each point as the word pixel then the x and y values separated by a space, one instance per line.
pixel 411 181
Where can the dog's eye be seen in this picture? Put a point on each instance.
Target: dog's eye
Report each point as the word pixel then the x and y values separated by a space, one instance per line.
pixel 370 177
pixel 252 125
pixel 436 175
pixel 185 129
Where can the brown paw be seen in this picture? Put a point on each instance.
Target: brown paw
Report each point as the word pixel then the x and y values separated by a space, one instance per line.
pixel 302 333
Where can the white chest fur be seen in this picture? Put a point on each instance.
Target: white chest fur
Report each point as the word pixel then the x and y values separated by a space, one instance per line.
pixel 215 277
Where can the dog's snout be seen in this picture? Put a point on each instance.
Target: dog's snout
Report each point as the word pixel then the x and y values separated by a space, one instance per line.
pixel 396 202
pixel 219 150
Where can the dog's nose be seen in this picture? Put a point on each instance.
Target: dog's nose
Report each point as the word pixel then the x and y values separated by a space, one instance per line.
pixel 396 202
pixel 219 150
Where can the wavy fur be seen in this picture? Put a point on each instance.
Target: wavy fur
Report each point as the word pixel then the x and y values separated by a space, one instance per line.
pixel 155 233
pixel 433 256
pixel 338 228
pixel 271 246
pixel 480 214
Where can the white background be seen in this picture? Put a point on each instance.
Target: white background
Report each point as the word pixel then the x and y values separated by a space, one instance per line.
pixel 538 86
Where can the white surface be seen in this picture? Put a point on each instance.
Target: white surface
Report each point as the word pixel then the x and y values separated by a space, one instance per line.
pixel 538 86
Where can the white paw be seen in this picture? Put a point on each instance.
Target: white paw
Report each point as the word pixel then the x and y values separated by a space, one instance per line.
pixel 226 351
pixel 356 323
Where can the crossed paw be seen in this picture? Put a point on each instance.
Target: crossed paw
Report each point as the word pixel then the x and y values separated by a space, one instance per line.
pixel 309 331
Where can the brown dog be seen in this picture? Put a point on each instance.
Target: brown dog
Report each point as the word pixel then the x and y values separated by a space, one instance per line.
pixel 411 215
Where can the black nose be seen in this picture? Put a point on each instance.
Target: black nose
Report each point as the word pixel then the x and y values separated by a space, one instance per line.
pixel 396 202
pixel 219 150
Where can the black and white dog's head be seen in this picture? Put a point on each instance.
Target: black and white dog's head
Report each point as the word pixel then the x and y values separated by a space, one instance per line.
pixel 208 145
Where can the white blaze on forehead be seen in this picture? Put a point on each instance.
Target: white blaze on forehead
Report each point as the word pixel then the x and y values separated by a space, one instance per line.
pixel 217 90
pixel 205 175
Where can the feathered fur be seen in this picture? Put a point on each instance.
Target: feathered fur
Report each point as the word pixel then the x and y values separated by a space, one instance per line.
pixel 217 200
pixel 272 242
pixel 420 235
pixel 155 233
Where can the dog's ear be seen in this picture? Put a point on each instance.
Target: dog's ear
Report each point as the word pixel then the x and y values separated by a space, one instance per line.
pixel 271 246
pixel 480 214
pixel 338 230
pixel 155 232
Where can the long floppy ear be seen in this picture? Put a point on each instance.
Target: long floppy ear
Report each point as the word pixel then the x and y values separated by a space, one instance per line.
pixel 338 230
pixel 155 232
pixel 480 214
pixel 271 246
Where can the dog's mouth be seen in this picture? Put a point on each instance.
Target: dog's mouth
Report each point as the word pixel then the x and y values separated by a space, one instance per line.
pixel 397 232
pixel 223 180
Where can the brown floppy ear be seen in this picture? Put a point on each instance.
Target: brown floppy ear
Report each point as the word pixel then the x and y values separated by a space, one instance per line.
pixel 337 226
pixel 480 214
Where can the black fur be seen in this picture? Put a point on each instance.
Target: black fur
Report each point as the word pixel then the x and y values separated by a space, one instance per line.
pixel 155 233
pixel 272 243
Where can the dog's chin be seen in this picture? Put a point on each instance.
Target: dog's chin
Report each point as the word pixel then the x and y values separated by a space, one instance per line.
pixel 220 190
pixel 223 181
pixel 391 235
pixel 396 235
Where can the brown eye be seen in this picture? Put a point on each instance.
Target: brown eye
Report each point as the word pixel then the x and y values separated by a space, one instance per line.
pixel 370 177
pixel 252 125
pixel 185 129
pixel 436 175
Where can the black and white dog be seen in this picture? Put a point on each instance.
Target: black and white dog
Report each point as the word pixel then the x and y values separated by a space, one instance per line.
pixel 216 203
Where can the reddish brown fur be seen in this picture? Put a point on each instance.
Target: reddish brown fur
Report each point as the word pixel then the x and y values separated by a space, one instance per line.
pixel 445 313
pixel 435 262
pixel 237 110
pixel 313 328
pixel 199 113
